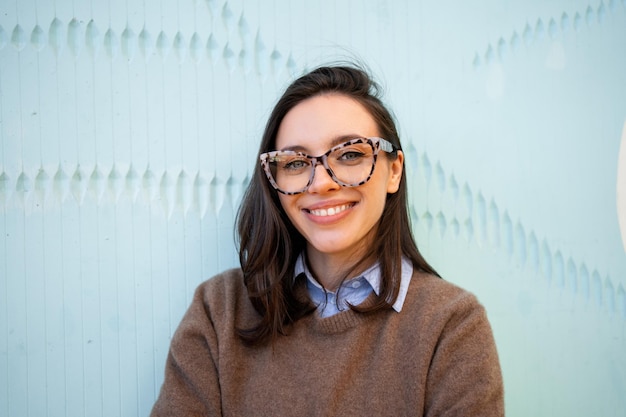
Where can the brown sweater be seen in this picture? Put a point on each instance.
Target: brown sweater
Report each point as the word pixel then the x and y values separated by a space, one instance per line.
pixel 436 357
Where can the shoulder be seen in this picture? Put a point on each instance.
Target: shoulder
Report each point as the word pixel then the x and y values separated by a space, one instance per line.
pixel 224 299
pixel 227 283
pixel 212 300
pixel 431 288
pixel 437 301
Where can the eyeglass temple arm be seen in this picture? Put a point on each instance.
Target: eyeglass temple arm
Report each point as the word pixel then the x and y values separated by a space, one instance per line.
pixel 385 145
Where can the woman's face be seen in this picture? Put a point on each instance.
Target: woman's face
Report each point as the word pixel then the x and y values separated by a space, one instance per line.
pixel 335 220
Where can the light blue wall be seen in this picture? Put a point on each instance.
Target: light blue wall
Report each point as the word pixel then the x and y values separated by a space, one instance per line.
pixel 128 130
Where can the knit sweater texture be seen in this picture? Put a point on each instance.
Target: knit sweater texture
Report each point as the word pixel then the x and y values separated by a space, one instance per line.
pixel 437 357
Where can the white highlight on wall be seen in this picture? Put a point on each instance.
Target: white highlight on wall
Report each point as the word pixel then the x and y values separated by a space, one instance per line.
pixel 621 187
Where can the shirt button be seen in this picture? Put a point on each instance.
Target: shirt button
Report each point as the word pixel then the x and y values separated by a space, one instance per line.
pixel 355 284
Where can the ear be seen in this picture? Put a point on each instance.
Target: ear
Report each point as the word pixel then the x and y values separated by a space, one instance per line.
pixel 395 173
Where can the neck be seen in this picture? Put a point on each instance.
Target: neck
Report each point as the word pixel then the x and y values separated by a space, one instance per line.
pixel 330 269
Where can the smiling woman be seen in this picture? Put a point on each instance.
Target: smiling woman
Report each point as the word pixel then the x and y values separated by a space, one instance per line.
pixel 333 241
pixel 334 311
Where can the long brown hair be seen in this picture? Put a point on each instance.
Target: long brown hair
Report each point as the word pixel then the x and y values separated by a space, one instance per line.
pixel 268 242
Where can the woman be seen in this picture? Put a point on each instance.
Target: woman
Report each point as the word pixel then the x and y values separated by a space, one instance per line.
pixel 334 312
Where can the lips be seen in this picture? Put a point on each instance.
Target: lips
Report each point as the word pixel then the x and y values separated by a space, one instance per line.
pixel 330 211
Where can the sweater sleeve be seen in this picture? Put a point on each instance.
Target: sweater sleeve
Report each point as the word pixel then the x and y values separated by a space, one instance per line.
pixel 464 378
pixel 191 384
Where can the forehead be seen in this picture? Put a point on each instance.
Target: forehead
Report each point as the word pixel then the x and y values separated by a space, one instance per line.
pixel 319 122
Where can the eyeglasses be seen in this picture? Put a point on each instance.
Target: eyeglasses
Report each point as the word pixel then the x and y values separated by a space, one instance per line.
pixel 350 164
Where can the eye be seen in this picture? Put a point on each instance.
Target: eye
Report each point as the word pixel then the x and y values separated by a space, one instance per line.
pixel 292 163
pixel 295 164
pixel 350 155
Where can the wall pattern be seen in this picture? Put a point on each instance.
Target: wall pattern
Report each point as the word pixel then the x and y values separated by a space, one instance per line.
pixel 128 132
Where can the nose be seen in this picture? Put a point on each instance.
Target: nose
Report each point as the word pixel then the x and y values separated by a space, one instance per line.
pixel 322 181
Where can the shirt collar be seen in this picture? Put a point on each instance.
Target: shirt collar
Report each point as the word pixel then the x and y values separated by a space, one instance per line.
pixel 371 275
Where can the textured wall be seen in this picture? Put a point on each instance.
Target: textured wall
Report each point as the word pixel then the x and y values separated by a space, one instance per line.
pixel 128 131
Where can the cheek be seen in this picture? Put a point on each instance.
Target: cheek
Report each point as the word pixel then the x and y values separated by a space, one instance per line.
pixel 288 204
pixel 289 208
pixel 385 180
pixel 377 197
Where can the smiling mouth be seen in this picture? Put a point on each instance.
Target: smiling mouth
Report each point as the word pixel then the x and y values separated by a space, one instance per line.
pixel 331 211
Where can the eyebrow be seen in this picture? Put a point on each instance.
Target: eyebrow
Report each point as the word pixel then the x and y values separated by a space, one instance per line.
pixel 337 140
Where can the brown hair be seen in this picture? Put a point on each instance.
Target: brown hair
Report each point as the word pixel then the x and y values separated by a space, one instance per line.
pixel 269 244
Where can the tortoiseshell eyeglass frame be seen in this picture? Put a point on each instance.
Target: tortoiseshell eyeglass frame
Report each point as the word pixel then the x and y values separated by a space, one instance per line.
pixel 377 144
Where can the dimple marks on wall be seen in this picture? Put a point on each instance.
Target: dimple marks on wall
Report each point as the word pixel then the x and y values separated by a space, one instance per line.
pixel 172 191
pixel 490 227
pixel 535 32
pixel 247 53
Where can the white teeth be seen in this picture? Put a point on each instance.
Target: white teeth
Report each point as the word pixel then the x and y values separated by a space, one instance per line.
pixel 330 211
